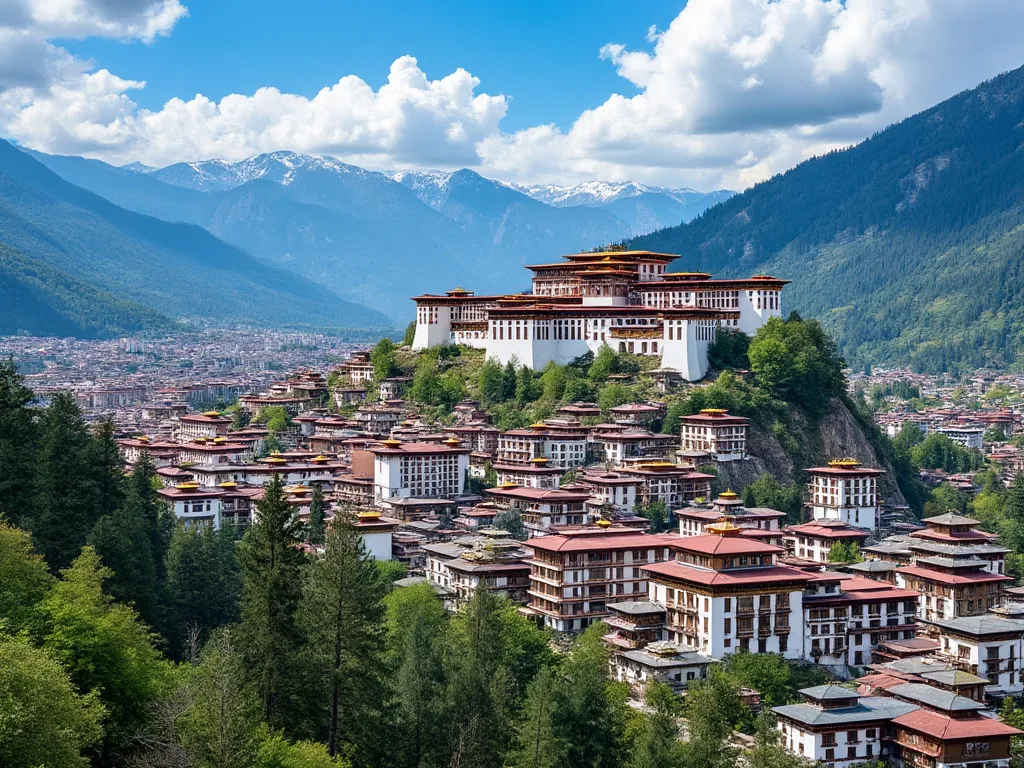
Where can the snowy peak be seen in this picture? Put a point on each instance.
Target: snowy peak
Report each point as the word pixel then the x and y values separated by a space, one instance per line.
pixel 280 167
pixel 603 192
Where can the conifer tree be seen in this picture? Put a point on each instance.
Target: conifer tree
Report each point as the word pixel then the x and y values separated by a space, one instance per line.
pixel 203 586
pixel 537 742
pixel 271 564
pixel 316 535
pixel 121 541
pixel 657 744
pixel 416 624
pixel 107 468
pixel 342 617
pixel 767 751
pixel 17 444
pixel 159 522
pixel 65 507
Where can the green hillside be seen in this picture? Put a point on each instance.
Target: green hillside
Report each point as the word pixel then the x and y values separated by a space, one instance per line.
pixel 179 270
pixel 43 301
pixel 908 247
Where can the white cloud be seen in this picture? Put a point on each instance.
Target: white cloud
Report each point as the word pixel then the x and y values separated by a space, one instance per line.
pixel 731 92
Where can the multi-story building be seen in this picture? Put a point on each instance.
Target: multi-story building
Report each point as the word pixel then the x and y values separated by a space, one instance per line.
pixel 491 559
pixel 667 483
pixel 814 540
pixel 614 489
pixel 846 491
pixel 418 471
pixel 209 424
pixel 620 298
pixel 219 450
pixel 967 435
pixel 693 520
pixel 574 576
pixel 989 646
pixel 715 432
pixel 541 510
pixel 724 591
pixel 536 473
pixel 563 443
pixel 194 505
pixel 957 569
pixel 617 446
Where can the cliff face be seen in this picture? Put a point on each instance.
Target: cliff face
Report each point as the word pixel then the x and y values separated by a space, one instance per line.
pixel 836 435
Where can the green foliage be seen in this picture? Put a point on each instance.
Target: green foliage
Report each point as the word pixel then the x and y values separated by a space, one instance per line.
pixel 773 677
pixel 341 616
pixel 538 744
pixel 510 520
pixel 44 720
pixel 657 513
pixel 795 360
pixel 657 744
pixel 768 750
pixel 845 553
pixel 410 334
pixel 316 534
pixel 385 363
pixel 17 443
pixel 24 582
pixel 276 751
pixel 274 417
pixel 713 709
pixel 104 645
pixel 203 586
pixel 941 452
pixel 606 362
pixel 271 570
pixel 612 395
pixel 729 350
pixel 768 492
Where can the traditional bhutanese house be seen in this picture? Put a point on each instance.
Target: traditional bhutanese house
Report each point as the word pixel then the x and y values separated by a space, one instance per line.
pixel 674 665
pixel 161 453
pixel 355 487
pixel 611 489
pixel 377 420
pixel 536 473
pixel 492 560
pixel 846 491
pixel 617 446
pixel 957 582
pixel 667 483
pixel 724 591
pixel 404 471
pixel 477 517
pixel 876 570
pixel 633 624
pixel 715 432
pixel 838 727
pixel 694 519
pixel 316 471
pixel 893 549
pixel 377 532
pixel 946 730
pixel 579 411
pixel 953 537
pixel 345 396
pixel 895 650
pixel 237 504
pixel 208 424
pixel 563 443
pixel 193 505
pixel 573 577
pixel 929 671
pixel 174 476
pixel 989 646
pixel 814 540
pixel 482 438
pixel 357 368
pixel 218 450
pixel 640 414
pixel 542 510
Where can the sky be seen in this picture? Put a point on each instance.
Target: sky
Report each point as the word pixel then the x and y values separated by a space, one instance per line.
pixel 704 94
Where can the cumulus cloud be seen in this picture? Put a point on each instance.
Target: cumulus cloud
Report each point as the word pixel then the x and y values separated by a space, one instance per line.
pixel 730 93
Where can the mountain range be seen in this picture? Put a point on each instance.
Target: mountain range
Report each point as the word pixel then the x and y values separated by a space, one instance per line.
pixel 909 247
pixel 374 239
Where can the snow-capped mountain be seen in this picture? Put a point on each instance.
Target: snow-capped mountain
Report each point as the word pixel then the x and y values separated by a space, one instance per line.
pixel 279 167
pixel 603 192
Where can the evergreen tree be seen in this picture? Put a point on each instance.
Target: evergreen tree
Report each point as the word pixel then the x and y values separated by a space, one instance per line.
pixel 159 522
pixel 121 541
pixel 316 534
pixel 65 507
pixel 537 742
pixel 269 638
pixel 1015 500
pixel 203 586
pixel 24 582
pixel 509 379
pixel 590 710
pixel 657 744
pixel 107 468
pixel 527 388
pixel 416 624
pixel 490 384
pixel 342 617
pixel 17 444
pixel 767 751
pixel 713 707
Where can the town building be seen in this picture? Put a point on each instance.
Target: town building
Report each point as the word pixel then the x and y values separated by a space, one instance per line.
pixel 490 559
pixel 694 519
pixel 418 471
pixel 814 541
pixel 620 298
pixel 715 432
pixel 724 591
pixel 209 424
pixel 543 511
pixel 846 491
pixel 989 646
pixel 575 575
pixel 967 435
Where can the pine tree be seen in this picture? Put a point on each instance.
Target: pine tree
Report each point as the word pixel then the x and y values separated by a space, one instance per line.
pixel 508 382
pixel 272 584
pixel 768 751
pixel 538 744
pixel 121 541
pixel 657 744
pixel 107 468
pixel 316 535
pixel 159 522
pixel 17 444
pixel 203 586
pixel 415 628
pixel 342 617
pixel 65 505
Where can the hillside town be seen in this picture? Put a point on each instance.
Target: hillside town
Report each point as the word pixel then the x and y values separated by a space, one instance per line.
pixel 610 515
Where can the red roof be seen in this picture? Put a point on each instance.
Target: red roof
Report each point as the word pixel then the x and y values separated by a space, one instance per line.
pixel 874 682
pixel 713 544
pixel 597 541
pixel 818 531
pixel 847 472
pixel 943 727
pixel 952 579
pixel 538 494
pixel 768 575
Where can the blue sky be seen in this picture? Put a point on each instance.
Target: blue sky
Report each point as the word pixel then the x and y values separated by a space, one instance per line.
pixel 724 93
pixel 543 55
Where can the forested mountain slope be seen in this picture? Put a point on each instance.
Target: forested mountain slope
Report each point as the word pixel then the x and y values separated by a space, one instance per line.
pixel 42 301
pixel 179 270
pixel 908 247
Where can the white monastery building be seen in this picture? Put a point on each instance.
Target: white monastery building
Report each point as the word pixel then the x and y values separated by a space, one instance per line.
pixel 621 298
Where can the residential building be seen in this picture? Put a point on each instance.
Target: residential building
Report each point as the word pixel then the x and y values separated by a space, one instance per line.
pixel 715 432
pixel 845 491
pixel 418 471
